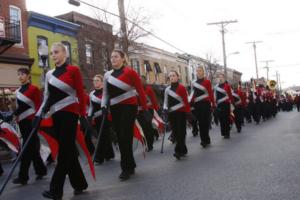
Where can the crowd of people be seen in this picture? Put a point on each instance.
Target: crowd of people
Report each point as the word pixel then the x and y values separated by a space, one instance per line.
pixel 120 99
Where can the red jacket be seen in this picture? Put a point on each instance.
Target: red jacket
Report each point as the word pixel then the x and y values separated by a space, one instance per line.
pixel 33 96
pixel 69 80
pixel 151 98
pixel 196 91
pixel 181 92
pixel 125 77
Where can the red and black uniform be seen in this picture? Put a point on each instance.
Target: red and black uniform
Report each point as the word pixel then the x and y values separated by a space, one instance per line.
pixel 28 99
pixel 203 100
pixel 105 149
pixel 177 105
pixel 257 110
pixel 145 120
pixel 122 91
pixel 238 103
pixel 65 101
pixel 223 99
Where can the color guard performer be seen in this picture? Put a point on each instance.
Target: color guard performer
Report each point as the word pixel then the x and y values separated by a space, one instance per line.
pixel 203 101
pixel 238 103
pixel 64 96
pixel 177 106
pixel 28 99
pixel 223 99
pixel 152 105
pixel 105 149
pixel 122 92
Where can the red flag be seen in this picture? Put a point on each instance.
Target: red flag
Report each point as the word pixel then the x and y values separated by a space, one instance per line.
pixel 48 136
pixel 83 150
pixel 10 136
pixel 157 122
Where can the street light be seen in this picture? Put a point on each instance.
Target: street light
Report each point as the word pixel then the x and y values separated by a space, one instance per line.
pixel 233 53
pixel 43 53
pixel 74 2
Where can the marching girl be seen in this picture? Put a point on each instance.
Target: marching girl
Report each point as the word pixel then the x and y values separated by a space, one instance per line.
pixel 64 101
pixel 177 106
pixel 203 100
pixel 28 98
pixel 105 149
pixel 122 92
pixel 223 99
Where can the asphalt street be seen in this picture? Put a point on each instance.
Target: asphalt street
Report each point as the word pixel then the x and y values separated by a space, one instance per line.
pixel 262 162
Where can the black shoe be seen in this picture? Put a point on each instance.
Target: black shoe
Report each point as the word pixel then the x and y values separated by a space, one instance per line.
pixel 125 175
pixel 149 149
pixel 226 137
pixel 19 181
pixel 78 192
pixel 40 177
pixel 98 161
pixel 51 195
pixel 203 144
pixel 177 156
pixel 239 130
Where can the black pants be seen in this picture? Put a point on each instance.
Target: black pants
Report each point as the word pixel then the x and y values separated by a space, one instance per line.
pixel 257 112
pixel 105 149
pixel 178 126
pixel 203 115
pixel 194 124
pixel 65 125
pixel 238 113
pixel 1 170
pixel 124 117
pixel 147 129
pixel 223 114
pixel 31 153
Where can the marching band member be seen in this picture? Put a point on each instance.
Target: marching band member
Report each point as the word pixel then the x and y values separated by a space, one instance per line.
pixel 28 99
pixel 105 149
pixel 203 101
pixel 238 103
pixel 122 92
pixel 146 123
pixel 64 96
pixel 177 106
pixel 223 99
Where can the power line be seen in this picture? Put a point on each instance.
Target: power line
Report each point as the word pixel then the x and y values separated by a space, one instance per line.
pixel 223 24
pixel 132 22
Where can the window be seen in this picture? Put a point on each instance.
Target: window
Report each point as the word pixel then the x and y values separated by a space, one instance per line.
pixel 43 51
pixel 16 18
pixel 157 70
pixel 69 53
pixel 147 66
pixel 88 53
pixel 136 65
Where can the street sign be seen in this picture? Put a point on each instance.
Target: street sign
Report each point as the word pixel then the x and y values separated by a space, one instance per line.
pixel 2 27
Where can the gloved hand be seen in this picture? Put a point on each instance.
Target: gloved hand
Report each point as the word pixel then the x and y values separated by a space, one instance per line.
pixel 104 110
pixel 83 123
pixel 36 121
pixel 190 117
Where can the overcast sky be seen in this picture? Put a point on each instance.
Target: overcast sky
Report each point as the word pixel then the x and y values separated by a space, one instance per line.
pixel 183 23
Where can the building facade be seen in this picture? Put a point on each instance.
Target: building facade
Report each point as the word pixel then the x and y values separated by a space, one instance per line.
pixel 155 64
pixel 95 44
pixel 43 31
pixel 13 42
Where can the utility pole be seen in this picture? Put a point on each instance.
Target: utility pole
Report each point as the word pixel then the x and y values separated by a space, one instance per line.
pixel 123 26
pixel 277 80
pixel 267 67
pixel 223 24
pixel 255 58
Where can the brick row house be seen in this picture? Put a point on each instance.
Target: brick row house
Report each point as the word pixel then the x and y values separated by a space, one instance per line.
pixel 13 48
